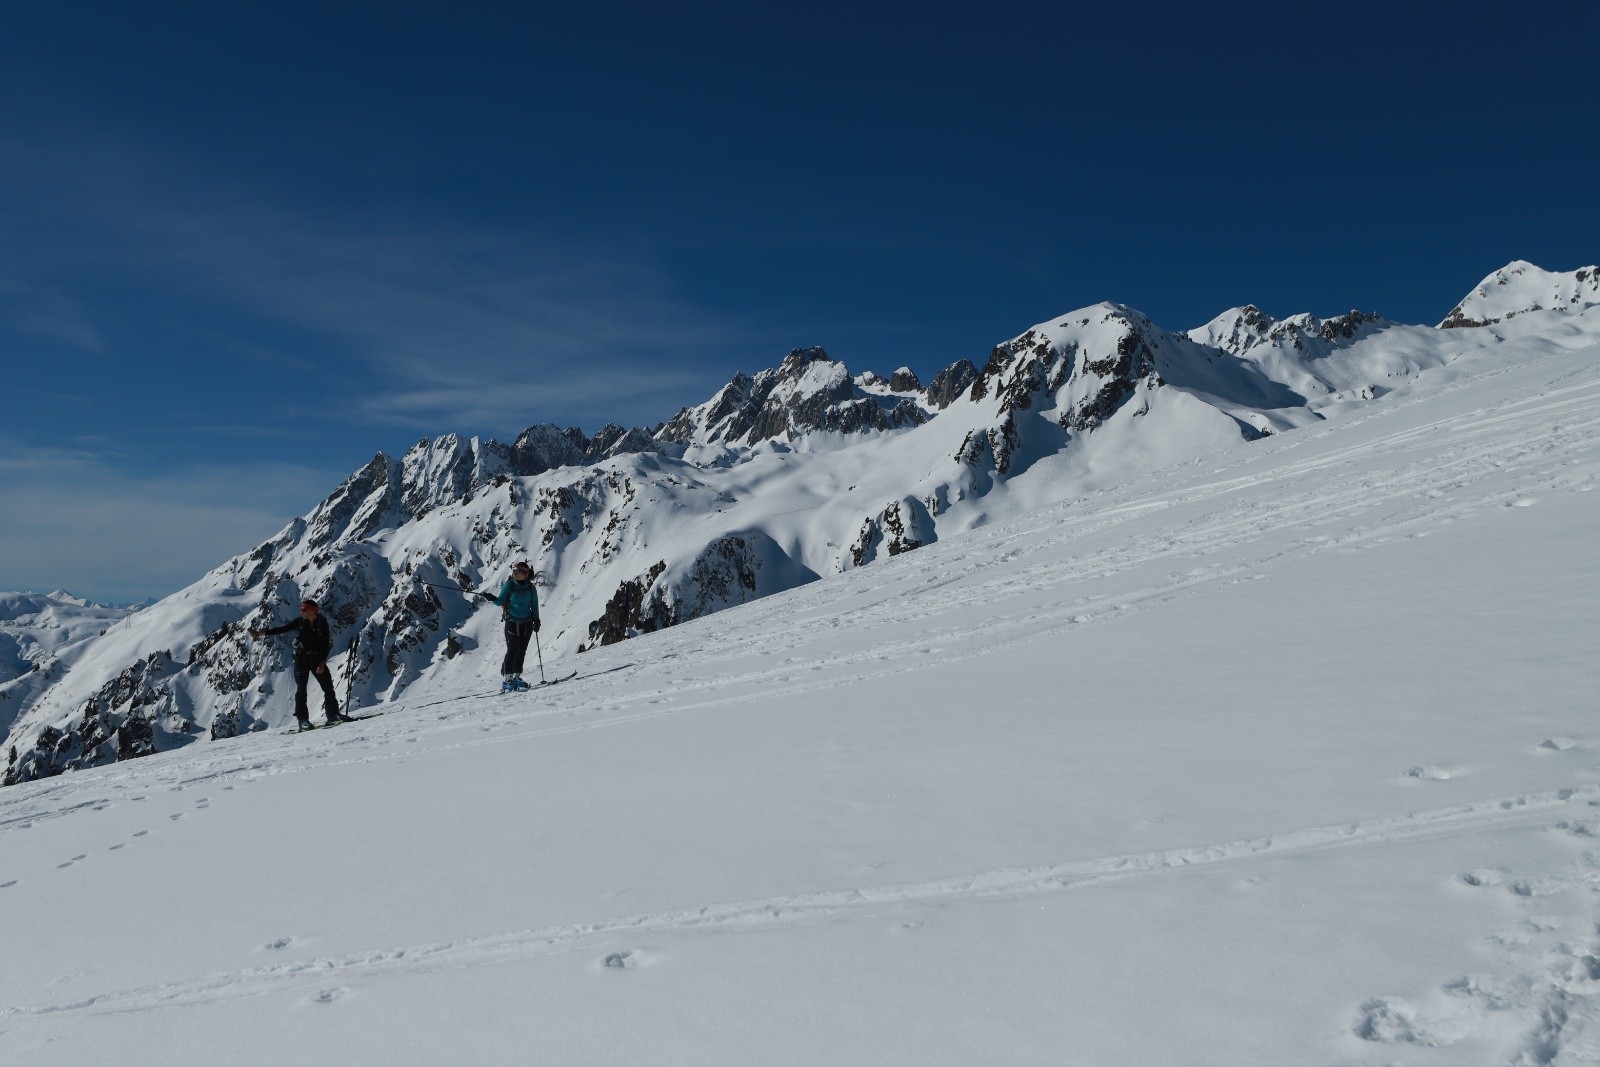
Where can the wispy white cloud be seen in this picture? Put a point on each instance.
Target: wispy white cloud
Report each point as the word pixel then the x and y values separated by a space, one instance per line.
pixel 515 402
pixel 453 326
pixel 395 322
pixel 49 461
pixel 50 314
pixel 74 519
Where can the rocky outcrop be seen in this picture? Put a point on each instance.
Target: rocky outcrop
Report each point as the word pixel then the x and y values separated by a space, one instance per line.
pixel 725 573
pixel 900 527
pixel 116 723
pixel 905 380
pixel 637 607
pixel 951 383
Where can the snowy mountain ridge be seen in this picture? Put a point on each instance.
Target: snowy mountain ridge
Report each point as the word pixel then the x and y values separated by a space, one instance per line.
pixel 1280 754
pixel 779 479
pixel 34 628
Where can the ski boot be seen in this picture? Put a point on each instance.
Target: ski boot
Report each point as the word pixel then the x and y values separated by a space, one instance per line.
pixel 303 725
pixel 507 685
pixel 517 684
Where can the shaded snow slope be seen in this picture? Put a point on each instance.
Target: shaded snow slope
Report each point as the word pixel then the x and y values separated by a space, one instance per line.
pixel 1283 756
pixel 793 474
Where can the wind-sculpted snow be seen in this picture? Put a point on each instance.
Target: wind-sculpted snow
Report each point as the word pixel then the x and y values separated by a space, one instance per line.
pixel 784 476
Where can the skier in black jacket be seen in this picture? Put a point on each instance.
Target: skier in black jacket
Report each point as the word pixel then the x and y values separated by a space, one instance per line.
pixel 312 643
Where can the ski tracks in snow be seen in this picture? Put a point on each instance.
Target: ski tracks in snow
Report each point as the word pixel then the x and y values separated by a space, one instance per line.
pixel 1569 999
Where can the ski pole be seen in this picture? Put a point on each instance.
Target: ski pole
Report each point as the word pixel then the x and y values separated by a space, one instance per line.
pixel 350 670
pixel 453 588
pixel 540 651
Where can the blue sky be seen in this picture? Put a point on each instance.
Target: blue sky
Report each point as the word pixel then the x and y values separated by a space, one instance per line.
pixel 243 250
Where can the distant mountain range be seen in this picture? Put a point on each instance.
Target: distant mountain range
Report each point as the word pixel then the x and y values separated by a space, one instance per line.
pixel 779 479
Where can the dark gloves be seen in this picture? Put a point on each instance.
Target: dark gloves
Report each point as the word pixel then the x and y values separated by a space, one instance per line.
pixel 536 624
pixel 490 597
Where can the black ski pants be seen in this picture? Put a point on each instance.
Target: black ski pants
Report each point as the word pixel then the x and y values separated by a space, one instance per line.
pixel 302 672
pixel 518 634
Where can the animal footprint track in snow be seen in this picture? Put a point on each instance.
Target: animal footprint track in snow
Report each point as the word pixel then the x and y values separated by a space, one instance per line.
pixel 328 996
pixel 8 885
pixel 1428 772
pixel 176 817
pixel 621 960
pixel 1558 744
pixel 279 943
pixel 1484 876
pixel 141 833
pixel 113 848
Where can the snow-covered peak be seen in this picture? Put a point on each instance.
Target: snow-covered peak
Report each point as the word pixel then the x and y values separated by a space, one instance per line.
pixel 1241 329
pixel 1520 287
pixel 14 606
pixel 808 393
pixel 36 629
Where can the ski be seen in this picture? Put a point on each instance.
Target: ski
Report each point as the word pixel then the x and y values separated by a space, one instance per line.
pixel 329 725
pixel 531 686
pixel 351 718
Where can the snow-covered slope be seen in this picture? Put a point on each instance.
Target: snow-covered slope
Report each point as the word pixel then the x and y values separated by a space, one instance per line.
pixel 792 474
pixel 1282 755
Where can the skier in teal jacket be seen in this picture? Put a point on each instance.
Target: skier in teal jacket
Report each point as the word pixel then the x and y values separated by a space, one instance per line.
pixel 519 607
